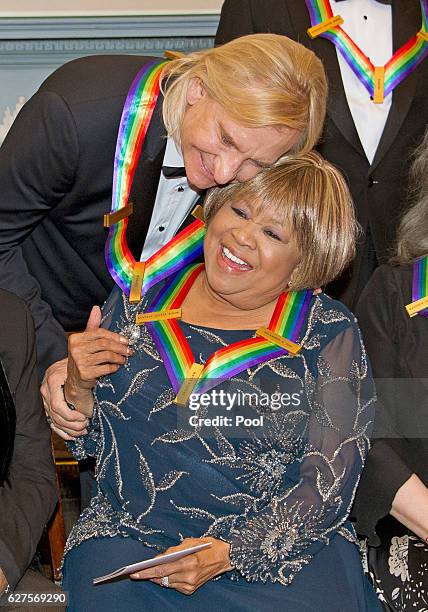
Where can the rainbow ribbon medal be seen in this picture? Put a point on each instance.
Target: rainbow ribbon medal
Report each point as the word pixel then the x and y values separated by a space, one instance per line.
pixel 186 376
pixel 131 276
pixel 179 252
pixel 378 80
pixel 419 304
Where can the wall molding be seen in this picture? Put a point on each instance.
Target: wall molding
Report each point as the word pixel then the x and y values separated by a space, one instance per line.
pixel 32 47
pixel 29 52
pixel 137 26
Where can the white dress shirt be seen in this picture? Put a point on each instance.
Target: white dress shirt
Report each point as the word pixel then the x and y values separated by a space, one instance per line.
pixel 174 200
pixel 369 24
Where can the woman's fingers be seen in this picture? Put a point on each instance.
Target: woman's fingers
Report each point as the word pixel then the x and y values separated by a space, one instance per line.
pixel 175 583
pixel 94 358
pixel 178 581
pixel 94 347
pixel 185 569
pixel 92 367
pixel 92 342
pixel 90 374
pixel 102 357
pixel 185 583
pixel 190 572
pixel 99 351
pixel 101 334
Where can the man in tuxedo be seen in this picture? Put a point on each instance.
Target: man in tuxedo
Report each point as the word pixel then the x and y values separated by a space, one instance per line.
pixel 371 143
pixel 56 168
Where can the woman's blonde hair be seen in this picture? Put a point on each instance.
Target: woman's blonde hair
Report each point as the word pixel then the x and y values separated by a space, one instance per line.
pixel 311 196
pixel 260 79
pixel 412 236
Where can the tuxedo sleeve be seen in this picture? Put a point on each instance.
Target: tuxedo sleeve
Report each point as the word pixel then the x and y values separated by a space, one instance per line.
pixel 28 496
pixel 38 162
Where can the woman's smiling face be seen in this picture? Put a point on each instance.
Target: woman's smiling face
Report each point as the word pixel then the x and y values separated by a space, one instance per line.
pixel 249 255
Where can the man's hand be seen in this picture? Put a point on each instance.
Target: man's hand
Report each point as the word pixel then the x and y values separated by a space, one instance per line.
pixel 68 424
pixel 3 582
pixel 189 573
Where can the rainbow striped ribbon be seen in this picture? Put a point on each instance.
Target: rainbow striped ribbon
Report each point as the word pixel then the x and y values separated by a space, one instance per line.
pixel 287 320
pixel 136 115
pixel 401 64
pixel 179 252
pixel 167 335
pixel 420 282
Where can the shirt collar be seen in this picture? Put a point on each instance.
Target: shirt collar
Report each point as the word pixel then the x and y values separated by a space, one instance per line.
pixel 173 156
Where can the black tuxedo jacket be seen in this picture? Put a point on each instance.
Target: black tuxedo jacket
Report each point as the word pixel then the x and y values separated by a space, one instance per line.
pixel 379 190
pixel 56 170
pixel 28 492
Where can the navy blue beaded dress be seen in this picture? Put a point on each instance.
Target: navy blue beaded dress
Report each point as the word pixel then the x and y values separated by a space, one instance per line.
pixel 274 475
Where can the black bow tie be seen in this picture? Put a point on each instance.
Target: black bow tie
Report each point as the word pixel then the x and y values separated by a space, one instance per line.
pixel 173 172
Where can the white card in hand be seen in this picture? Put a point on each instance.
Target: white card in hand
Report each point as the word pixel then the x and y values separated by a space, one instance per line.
pixel 135 567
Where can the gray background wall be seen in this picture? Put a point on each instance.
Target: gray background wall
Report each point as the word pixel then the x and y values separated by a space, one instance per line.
pixel 31 47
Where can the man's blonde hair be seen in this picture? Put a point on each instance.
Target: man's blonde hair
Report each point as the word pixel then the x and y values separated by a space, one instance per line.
pixel 260 79
pixel 310 196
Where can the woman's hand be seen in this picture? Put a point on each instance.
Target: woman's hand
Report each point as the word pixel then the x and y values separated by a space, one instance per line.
pixel 93 353
pixel 189 573
pixel 410 506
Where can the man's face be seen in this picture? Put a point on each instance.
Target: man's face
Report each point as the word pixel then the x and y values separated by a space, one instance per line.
pixel 217 150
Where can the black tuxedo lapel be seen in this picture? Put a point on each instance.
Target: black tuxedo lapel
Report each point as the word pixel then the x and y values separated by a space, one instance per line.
pixel 406 21
pixel 338 109
pixel 146 180
pixel 190 218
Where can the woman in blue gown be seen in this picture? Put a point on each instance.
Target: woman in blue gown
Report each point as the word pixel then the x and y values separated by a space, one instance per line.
pixel 264 465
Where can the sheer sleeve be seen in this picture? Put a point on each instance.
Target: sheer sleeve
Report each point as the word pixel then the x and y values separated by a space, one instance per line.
pixel 87 445
pixel 275 541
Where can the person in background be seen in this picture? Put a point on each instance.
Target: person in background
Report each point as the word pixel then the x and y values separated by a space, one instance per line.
pixel 391 506
pixel 370 142
pixel 28 491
